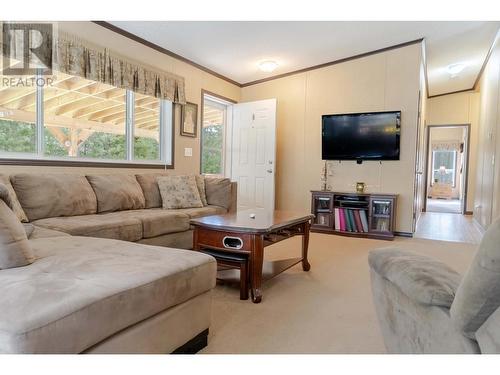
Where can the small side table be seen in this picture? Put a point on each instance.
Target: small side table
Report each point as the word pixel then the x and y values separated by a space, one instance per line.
pixel 233 260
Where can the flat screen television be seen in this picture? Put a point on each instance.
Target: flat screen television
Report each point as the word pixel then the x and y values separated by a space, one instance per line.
pixel 361 136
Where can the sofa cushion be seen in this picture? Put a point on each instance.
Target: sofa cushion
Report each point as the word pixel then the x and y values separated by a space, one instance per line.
pixel 16 206
pixel 218 191
pixel 155 221
pixel 117 192
pixel 50 195
pixel 422 279
pixel 150 189
pixel 478 295
pixel 203 211
pixel 179 192
pixel 97 225
pixel 39 232
pixel 15 249
pixel 82 290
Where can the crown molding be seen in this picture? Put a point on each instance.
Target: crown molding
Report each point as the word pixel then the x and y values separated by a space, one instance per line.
pixel 165 51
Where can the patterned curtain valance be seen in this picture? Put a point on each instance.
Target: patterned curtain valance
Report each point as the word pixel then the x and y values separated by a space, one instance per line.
pixel 76 57
pixel 446 145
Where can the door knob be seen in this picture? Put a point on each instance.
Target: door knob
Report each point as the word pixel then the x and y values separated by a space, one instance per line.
pixel 269 171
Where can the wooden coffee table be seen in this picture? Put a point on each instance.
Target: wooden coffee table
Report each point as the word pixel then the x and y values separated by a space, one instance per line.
pixel 240 233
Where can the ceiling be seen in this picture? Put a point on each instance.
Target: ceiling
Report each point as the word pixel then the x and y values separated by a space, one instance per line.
pixel 234 49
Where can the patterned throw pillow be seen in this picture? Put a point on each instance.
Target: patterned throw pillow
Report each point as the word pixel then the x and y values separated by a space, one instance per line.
pixel 179 192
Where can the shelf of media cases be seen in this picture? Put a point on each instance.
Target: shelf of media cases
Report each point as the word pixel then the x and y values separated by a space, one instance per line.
pixel 351 214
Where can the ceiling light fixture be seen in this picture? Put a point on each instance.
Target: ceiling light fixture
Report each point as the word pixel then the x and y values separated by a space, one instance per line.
pixel 455 69
pixel 268 66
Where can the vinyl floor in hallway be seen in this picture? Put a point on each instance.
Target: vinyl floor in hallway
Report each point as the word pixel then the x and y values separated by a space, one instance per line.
pixel 443 205
pixel 448 227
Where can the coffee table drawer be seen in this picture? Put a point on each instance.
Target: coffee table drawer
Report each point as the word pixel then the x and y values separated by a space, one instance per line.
pixel 224 240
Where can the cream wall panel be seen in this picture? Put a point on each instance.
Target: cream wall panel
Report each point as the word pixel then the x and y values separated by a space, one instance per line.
pixel 495 124
pixel 487 200
pixel 421 145
pixel 355 86
pixel 386 81
pixel 401 92
pixel 474 150
pixel 195 80
pixel 449 109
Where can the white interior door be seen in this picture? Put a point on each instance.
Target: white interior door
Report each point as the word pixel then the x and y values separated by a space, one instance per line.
pixel 253 153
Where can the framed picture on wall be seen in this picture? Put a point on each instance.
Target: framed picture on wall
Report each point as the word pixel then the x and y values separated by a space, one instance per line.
pixel 189 119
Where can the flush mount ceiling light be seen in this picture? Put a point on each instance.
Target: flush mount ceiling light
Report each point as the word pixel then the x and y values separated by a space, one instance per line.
pixel 268 66
pixel 455 69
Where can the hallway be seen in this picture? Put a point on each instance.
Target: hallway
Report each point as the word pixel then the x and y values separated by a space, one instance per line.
pixel 444 205
pixel 448 227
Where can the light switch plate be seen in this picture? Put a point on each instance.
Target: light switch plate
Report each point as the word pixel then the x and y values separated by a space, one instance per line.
pixel 188 151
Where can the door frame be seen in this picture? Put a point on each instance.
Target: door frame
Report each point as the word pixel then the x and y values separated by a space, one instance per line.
pixel 229 124
pixel 467 158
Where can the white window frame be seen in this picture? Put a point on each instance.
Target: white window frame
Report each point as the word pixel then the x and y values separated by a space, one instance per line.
pixel 224 106
pixel 166 140
pixel 453 170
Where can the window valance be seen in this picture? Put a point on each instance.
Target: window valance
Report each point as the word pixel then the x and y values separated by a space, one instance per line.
pixel 73 56
pixel 451 145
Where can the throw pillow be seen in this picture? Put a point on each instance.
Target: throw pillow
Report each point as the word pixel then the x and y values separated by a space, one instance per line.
pixel 179 192
pixel 149 187
pixel 16 206
pixel 15 249
pixel 218 192
pixel 117 192
pixel 478 295
pixel 200 182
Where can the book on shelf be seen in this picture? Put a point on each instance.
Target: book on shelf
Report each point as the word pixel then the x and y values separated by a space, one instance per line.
pixel 337 218
pixel 364 220
pixel 347 221
pixel 351 220
pixel 342 219
pixel 357 219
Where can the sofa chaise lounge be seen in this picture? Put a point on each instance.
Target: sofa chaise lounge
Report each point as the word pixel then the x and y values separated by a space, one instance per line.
pixel 97 286
pixel 424 306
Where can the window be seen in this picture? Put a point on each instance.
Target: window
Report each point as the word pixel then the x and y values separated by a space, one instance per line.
pixel 444 163
pixel 78 119
pixel 146 128
pixel 17 120
pixel 213 136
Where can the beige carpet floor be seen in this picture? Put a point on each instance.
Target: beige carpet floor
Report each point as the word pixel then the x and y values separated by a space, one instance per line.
pixel 326 310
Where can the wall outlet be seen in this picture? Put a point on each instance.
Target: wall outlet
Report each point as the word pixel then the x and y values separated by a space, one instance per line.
pixel 188 151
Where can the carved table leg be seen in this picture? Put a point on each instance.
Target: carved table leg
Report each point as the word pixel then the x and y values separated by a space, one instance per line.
pixel 196 246
pixel 305 245
pixel 256 264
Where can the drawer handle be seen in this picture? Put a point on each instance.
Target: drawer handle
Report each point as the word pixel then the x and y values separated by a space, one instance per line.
pixel 232 242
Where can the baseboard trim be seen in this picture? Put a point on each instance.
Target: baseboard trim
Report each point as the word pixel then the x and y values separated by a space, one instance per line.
pixel 194 345
pixel 404 234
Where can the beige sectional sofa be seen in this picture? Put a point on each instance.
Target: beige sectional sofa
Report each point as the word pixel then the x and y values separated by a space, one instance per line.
pixel 95 287
pixel 120 207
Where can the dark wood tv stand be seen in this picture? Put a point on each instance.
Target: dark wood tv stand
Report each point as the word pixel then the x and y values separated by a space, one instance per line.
pixel 351 214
